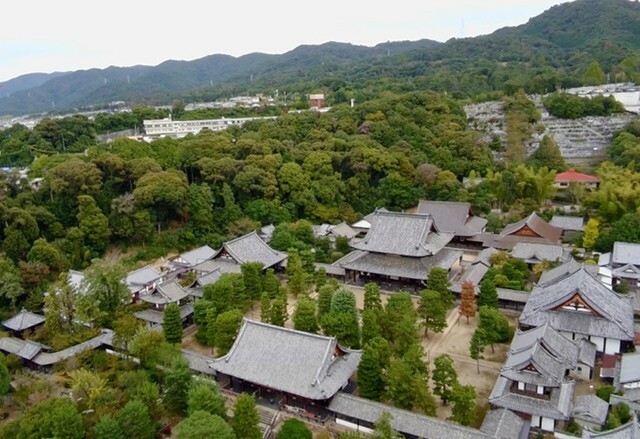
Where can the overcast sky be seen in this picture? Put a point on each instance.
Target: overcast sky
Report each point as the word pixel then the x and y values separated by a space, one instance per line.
pixel 64 35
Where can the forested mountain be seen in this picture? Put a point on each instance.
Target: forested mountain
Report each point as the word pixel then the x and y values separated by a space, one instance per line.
pixel 24 82
pixel 554 49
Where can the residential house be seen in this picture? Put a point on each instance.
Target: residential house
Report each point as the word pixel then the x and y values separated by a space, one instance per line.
pixel 578 305
pixel 400 248
pixel 564 179
pixel 300 369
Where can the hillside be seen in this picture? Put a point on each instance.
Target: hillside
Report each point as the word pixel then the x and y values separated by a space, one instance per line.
pixel 551 50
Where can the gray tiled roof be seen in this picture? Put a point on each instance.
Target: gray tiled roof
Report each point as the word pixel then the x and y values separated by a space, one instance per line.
pixel 251 248
pixel 630 368
pixel 196 256
pixel 222 264
pixel 629 271
pixel 209 278
pixel 587 352
pixel 157 317
pixel 550 370
pixel 536 252
pixel 402 234
pixel 49 358
pixel 625 253
pixel 287 360
pixel 452 216
pixel 405 267
pixel 140 278
pixel 403 421
pixel 167 292
pixel 198 362
pixel 559 405
pixel 343 229
pixel 22 348
pixel 331 269
pixel 630 430
pixel 513 295
pixel 559 272
pixel 570 223
pixel 590 408
pixel 75 279
pixel 502 424
pixel 23 320
pixel 506 242
pixel 538 225
pixel 615 318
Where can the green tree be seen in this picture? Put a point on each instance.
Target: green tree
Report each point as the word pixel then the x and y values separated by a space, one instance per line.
pixel 227 326
pixel 464 404
pixel 296 277
pixel 5 377
pixel 134 419
pixel 93 224
pixel 205 397
pixel 172 324
pixel 370 379
pixel 271 285
pixel 444 377
pixel 108 427
pixel 252 275
pixel 591 232
pixel 200 209
pixel 594 75
pixel 325 295
pixel 423 400
pixel 433 311
pixel 476 346
pixel 342 320
pixel 245 418
pixel 304 316
pixel 278 312
pixel 488 294
pixel 294 429
pixel 164 192
pixel 400 385
pixel 494 325
pixel 438 280
pixel 265 308
pixel 547 155
pixel 103 287
pixel 383 428
pixel 146 345
pixel 370 326
pixel 202 425
pixel 372 299
pixel 177 382
pixel 211 327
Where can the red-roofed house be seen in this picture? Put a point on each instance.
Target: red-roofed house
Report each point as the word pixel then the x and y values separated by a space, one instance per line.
pixel 563 179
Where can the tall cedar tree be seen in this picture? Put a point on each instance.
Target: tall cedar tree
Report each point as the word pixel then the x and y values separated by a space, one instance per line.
pixel 304 316
pixel 433 311
pixel 495 326
pixel 383 428
pixel 245 418
pixel 321 278
pixel 227 327
pixel 438 280
pixel 270 284
pixel 325 295
pixel 464 404
pixel 423 400
pixel 384 351
pixel 278 314
pixel 210 327
pixel 108 428
pixel 476 346
pixel 400 385
pixel 342 320
pixel 265 308
pixel 372 300
pixel 405 334
pixel 294 429
pixel 296 276
pixel 488 294
pixel 468 300
pixel 370 326
pixel 177 382
pixel 252 276
pixel 172 324
pixel 370 380
pixel 444 377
